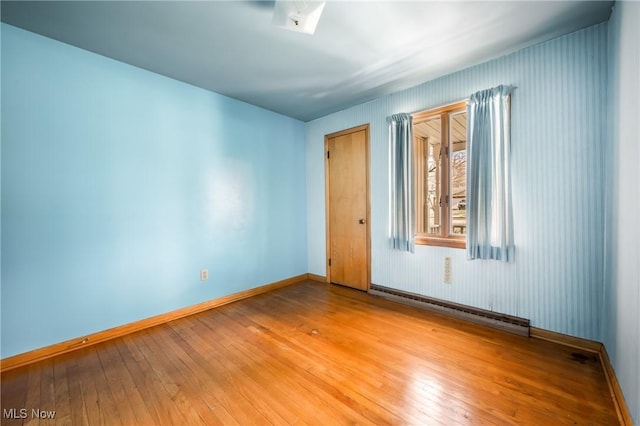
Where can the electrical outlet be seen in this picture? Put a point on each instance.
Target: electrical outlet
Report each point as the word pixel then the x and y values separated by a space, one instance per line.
pixel 204 274
pixel 447 270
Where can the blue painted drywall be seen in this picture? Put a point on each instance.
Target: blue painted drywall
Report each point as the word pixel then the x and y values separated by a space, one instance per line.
pixel 119 185
pixel 558 137
pixel 621 325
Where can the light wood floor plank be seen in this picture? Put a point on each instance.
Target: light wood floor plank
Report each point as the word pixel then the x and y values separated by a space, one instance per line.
pixel 76 402
pixel 196 380
pixel 97 398
pixel 118 383
pixel 34 387
pixel 60 382
pixel 316 354
pixel 155 395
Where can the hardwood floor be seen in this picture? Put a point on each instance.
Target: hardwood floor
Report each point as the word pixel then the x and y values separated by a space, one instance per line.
pixel 313 354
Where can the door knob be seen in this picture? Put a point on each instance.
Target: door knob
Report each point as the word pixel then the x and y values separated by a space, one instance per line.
pixel 362 221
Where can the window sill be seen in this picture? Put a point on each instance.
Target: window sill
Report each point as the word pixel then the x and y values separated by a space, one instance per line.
pixel 442 242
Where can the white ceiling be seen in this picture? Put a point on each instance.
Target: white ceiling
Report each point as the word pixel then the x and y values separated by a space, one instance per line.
pixel 361 49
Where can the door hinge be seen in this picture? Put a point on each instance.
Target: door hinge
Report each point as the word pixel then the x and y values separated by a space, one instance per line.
pixel 446 150
pixel 328 154
pixel 329 261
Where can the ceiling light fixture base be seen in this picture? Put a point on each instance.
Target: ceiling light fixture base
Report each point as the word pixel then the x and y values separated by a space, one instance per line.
pixel 298 16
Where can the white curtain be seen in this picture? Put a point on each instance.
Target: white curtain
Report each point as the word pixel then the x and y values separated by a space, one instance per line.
pixel 401 210
pixel 489 206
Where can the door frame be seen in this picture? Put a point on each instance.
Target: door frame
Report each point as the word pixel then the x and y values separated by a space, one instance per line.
pixel 327 189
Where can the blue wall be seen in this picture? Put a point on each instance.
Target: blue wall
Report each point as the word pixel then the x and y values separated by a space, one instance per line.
pixel 622 316
pixel 119 185
pixel 558 137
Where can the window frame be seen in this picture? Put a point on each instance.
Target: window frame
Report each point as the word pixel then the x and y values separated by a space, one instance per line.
pixel 445 238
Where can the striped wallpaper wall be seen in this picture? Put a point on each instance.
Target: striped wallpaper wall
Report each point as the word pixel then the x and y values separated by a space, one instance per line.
pixel 621 325
pixel 558 141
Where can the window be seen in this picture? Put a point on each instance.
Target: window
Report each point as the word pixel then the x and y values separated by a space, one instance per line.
pixel 440 167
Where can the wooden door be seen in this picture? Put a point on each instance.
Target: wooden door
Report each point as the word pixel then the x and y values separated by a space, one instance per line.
pixel 347 198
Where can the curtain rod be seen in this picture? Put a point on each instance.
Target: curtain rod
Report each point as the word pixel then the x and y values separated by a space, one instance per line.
pixel 456 102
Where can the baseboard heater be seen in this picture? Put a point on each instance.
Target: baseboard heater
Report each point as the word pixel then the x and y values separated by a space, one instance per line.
pixel 480 316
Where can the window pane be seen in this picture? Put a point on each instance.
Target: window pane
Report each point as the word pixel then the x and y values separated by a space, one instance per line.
pixel 429 134
pixel 458 175
pixel 420 149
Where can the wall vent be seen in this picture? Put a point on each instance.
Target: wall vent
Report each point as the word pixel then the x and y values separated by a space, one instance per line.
pixel 480 316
